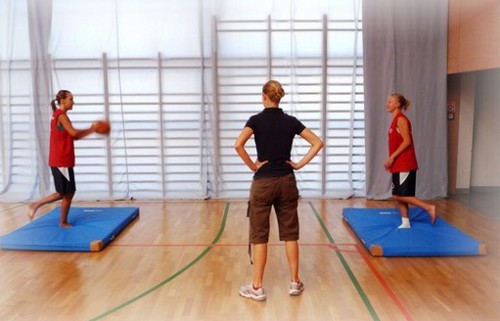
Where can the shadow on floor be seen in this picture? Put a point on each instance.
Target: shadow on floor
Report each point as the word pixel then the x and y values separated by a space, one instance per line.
pixel 485 200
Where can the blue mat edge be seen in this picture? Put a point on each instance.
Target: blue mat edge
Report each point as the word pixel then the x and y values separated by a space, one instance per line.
pixel 378 249
pixel 93 246
pixel 117 230
pixel 121 227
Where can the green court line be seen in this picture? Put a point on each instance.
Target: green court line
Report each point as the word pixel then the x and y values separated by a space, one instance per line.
pixel 363 295
pixel 185 268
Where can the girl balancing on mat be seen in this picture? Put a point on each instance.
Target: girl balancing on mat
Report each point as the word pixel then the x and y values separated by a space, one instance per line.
pixel 402 162
pixel 274 184
pixel 62 154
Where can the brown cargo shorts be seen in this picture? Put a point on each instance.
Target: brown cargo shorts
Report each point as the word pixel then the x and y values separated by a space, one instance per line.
pixel 282 193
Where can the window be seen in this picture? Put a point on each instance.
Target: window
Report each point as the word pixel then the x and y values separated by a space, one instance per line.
pixel 178 82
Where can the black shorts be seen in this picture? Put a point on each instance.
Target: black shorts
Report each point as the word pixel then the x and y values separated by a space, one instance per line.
pixel 64 182
pixel 404 183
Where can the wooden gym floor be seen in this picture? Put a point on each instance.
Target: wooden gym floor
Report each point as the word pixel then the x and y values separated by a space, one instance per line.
pixel 184 260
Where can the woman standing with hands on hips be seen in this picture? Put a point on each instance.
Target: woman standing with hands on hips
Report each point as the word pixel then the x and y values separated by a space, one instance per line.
pixel 62 154
pixel 274 184
pixel 402 161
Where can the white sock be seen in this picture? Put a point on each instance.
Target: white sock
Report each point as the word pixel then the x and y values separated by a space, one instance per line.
pixel 405 223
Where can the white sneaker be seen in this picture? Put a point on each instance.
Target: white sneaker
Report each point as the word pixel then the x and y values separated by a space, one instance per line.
pixel 296 288
pixel 248 291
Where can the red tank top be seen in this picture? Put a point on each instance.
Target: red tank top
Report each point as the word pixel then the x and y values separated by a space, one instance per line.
pixel 407 160
pixel 62 150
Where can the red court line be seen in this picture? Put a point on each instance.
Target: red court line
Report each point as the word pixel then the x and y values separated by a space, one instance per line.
pixel 335 246
pixel 384 284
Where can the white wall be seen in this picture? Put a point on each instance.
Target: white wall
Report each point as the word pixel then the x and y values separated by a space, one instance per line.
pixel 466 129
pixel 485 166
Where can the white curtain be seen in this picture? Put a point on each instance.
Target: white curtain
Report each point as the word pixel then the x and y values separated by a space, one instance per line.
pixel 40 19
pixel 177 80
pixel 405 45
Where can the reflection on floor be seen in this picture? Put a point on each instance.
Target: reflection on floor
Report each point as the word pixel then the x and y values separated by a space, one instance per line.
pixel 485 200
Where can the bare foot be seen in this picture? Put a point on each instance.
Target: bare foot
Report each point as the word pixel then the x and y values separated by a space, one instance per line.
pixel 31 211
pixel 432 212
pixel 65 225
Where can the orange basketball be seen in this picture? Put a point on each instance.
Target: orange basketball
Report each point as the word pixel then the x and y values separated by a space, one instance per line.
pixel 102 127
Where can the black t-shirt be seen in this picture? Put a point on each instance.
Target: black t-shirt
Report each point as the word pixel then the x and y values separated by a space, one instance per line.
pixel 274 131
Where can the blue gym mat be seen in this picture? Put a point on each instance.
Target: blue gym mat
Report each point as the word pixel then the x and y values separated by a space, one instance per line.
pixel 93 228
pixel 377 228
